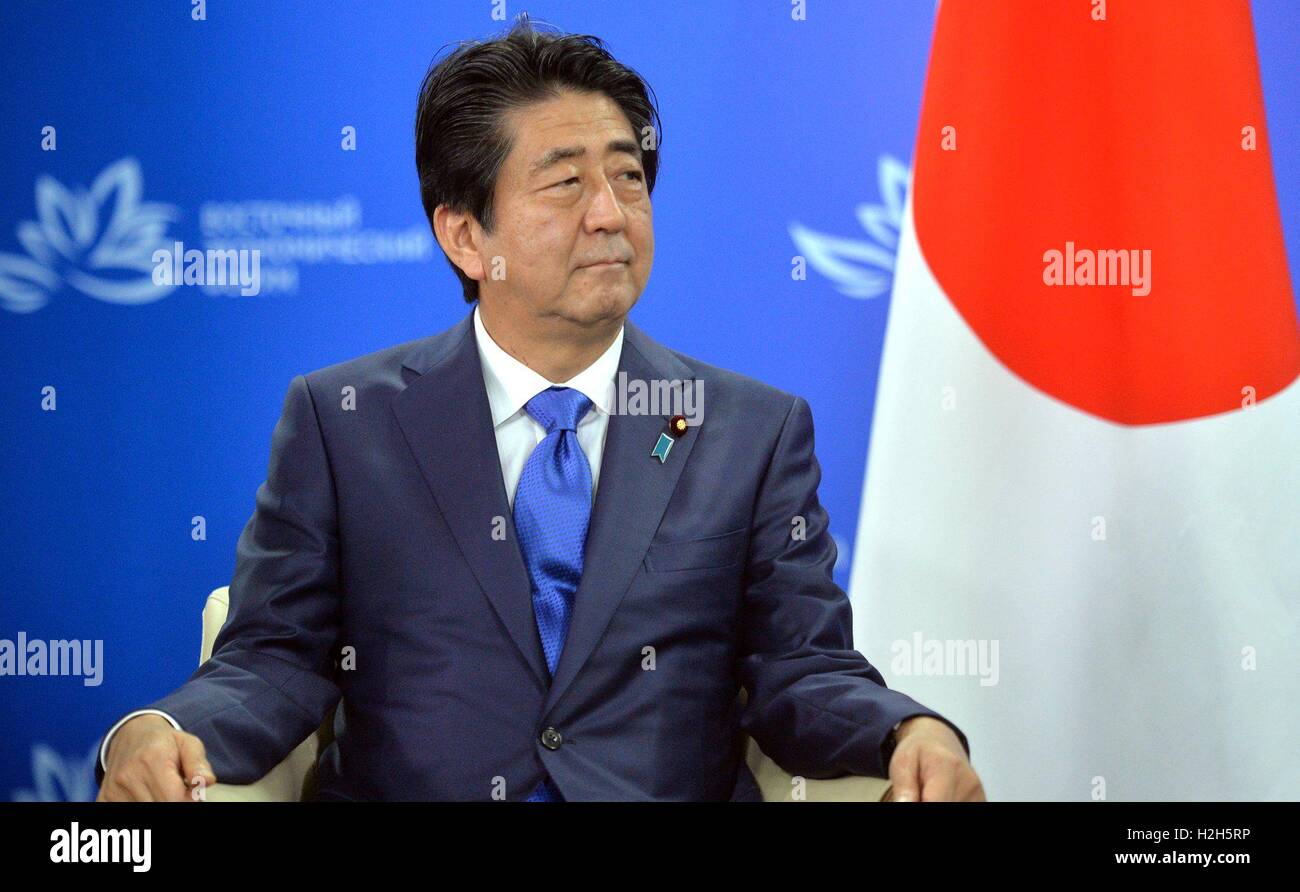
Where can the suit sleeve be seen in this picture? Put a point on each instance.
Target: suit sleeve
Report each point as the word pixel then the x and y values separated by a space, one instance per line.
pixel 272 677
pixel 814 704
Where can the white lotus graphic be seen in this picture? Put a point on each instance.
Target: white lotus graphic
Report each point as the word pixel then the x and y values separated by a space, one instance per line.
pixel 860 268
pixel 100 241
pixel 58 779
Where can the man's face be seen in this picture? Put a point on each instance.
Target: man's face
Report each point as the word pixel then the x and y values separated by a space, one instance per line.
pixel 571 194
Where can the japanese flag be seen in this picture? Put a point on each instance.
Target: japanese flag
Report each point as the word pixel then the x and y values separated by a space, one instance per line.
pixel 1080 535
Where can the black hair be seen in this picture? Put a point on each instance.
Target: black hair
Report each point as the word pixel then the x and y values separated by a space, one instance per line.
pixel 460 140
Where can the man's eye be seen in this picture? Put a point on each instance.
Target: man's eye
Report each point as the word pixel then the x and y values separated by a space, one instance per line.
pixel 568 181
pixel 635 174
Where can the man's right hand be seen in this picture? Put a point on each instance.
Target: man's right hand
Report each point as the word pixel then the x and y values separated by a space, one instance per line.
pixel 150 761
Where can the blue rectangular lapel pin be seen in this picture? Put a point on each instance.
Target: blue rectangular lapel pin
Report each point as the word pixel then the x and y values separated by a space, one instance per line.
pixel 662 445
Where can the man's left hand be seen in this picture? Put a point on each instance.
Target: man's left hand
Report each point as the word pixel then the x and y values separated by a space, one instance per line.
pixel 930 765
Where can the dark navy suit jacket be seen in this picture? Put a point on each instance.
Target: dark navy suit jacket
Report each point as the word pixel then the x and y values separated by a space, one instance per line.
pixel 373 535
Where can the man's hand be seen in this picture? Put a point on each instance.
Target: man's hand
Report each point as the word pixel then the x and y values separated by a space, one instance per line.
pixel 150 761
pixel 930 765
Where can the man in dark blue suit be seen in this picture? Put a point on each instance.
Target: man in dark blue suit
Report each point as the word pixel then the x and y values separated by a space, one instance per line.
pixel 538 555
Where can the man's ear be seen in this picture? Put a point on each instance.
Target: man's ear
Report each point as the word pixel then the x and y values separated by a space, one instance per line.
pixel 456 232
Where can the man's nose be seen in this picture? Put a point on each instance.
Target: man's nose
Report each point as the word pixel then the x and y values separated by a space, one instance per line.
pixel 605 211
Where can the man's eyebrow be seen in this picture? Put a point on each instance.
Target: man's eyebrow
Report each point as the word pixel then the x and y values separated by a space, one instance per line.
pixel 555 156
pixel 624 145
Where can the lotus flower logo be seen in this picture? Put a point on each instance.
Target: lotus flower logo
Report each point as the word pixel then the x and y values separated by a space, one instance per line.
pixel 58 779
pixel 858 267
pixel 100 241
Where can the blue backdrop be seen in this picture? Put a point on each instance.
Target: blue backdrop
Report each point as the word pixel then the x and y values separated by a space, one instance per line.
pixel 231 129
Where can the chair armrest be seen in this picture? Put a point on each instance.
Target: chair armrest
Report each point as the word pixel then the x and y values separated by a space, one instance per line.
pixel 292 780
pixel 778 786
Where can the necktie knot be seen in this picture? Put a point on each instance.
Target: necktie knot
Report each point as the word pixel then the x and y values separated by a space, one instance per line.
pixel 558 408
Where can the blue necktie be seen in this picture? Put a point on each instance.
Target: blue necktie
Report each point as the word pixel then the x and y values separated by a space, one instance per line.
pixel 552 510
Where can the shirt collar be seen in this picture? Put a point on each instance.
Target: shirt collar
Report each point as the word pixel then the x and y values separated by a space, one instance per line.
pixel 511 384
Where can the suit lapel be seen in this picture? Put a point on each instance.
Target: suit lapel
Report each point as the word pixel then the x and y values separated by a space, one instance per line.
pixel 445 417
pixel 631 497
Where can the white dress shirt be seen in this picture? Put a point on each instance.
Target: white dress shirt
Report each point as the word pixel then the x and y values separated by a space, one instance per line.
pixel 510 384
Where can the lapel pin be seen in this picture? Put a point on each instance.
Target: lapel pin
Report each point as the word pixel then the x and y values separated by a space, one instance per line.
pixel 676 428
pixel 662 445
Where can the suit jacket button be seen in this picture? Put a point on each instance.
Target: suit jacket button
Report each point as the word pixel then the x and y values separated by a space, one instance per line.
pixel 551 739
